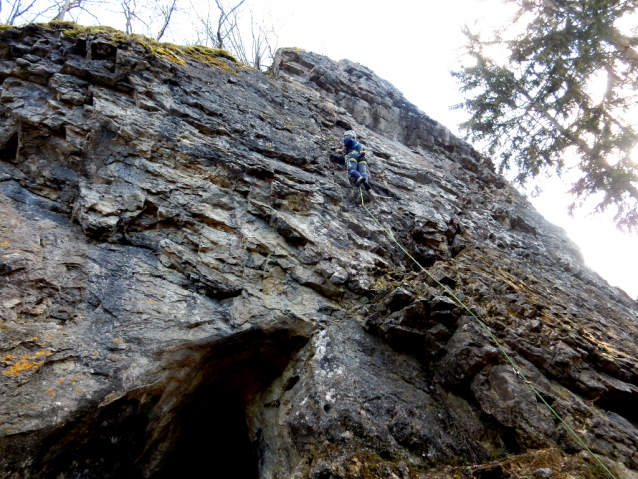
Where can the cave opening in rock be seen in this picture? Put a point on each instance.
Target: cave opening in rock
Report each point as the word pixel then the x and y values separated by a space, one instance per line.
pixel 209 436
pixel 213 440
pixel 192 422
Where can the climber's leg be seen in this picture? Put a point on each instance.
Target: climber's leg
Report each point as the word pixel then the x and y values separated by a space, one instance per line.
pixel 351 165
pixel 362 168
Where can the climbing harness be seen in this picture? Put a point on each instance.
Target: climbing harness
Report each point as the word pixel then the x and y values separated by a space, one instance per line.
pixel 515 367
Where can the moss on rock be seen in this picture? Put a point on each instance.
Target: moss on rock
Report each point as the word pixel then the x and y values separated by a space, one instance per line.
pixel 177 54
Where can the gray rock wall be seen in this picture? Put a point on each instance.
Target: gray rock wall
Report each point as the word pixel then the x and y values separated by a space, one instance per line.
pixel 188 283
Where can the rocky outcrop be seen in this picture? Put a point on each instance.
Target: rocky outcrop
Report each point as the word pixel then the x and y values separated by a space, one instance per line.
pixel 187 281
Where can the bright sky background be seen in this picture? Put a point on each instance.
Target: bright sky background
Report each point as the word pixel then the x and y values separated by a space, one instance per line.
pixel 414 44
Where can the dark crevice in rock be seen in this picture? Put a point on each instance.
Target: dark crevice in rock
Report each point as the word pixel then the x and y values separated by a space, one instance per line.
pixel 213 440
pixel 622 404
pixel 220 295
pixel 10 150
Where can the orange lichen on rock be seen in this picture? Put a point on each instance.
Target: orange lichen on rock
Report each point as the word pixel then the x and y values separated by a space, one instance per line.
pixel 26 363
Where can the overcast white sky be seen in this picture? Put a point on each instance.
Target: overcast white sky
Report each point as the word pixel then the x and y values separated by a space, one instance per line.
pixel 414 44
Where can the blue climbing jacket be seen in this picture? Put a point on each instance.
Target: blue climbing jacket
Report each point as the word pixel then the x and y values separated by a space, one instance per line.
pixel 352 145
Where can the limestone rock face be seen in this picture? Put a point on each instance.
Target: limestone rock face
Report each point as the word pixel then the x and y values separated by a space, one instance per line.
pixel 188 283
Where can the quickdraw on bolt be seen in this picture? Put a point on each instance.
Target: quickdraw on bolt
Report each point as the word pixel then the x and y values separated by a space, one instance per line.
pixel 518 373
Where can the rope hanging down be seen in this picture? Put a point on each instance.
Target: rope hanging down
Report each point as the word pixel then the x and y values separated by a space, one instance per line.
pixel 518 370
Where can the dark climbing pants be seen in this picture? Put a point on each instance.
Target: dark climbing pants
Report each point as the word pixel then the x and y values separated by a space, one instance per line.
pixel 357 166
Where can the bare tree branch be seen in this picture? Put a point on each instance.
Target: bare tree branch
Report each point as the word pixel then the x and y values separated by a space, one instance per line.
pixel 17 11
pixel 167 12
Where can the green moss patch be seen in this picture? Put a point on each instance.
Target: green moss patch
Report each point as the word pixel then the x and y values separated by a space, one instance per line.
pixel 177 54
pixel 295 49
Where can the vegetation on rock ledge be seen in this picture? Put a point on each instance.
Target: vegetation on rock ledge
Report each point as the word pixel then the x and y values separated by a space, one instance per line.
pixel 169 51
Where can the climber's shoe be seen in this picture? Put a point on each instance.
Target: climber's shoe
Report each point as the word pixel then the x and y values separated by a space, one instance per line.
pixel 367 185
pixel 360 181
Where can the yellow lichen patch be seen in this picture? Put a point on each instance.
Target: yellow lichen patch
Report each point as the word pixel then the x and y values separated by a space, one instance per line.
pixel 60 381
pixel 149 301
pixel 72 379
pixel 4 243
pixel 116 340
pixel 78 391
pixel 26 363
pixel 50 391
pixel 94 352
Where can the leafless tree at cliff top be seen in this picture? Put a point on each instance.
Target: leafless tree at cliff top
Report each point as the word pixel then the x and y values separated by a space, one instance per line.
pixel 27 11
pixel 217 29
pixel 165 11
pixel 67 5
pixel 17 10
pixel 221 27
pixel 263 43
pixel 131 13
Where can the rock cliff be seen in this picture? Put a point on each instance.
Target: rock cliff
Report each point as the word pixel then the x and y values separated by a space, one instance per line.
pixel 188 284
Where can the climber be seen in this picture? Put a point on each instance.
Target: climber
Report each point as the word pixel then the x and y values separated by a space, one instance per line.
pixel 355 160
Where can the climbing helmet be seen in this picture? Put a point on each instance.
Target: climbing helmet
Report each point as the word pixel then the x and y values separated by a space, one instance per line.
pixel 350 133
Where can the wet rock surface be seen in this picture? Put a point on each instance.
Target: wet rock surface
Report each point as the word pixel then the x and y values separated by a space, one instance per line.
pixel 187 279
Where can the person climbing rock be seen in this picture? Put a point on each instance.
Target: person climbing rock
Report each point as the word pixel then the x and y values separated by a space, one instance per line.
pixel 355 160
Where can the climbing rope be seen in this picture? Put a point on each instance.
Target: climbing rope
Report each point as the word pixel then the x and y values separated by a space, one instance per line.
pixel 517 370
